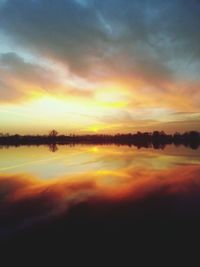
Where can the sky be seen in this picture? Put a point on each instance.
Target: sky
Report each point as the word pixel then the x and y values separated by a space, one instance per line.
pixel 99 66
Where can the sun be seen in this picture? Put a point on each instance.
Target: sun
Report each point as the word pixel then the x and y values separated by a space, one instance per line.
pixel 94 129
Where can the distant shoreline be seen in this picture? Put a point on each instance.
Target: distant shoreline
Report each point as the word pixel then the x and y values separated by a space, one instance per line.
pixel 155 139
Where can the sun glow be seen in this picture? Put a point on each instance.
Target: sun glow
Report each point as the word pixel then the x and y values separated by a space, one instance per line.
pixel 65 114
pixel 112 96
pixel 94 129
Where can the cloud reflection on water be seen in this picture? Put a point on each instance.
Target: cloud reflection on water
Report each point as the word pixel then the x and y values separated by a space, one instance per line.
pixel 27 200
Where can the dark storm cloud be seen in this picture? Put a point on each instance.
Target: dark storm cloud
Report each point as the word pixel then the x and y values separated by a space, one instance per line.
pixel 60 29
pixel 132 38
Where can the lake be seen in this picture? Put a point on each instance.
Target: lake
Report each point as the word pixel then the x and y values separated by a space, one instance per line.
pixel 80 192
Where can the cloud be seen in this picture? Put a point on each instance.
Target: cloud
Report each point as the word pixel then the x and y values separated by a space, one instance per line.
pixel 59 29
pixel 16 74
pixel 145 38
pixel 31 73
pixel 72 48
pixel 19 78
pixel 7 92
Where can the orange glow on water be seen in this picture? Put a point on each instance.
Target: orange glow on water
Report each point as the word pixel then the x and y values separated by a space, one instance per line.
pixel 100 174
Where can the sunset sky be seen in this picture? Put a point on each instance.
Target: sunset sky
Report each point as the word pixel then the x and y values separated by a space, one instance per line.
pixel 99 66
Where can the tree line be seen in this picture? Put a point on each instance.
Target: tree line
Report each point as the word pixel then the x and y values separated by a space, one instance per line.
pixel 156 139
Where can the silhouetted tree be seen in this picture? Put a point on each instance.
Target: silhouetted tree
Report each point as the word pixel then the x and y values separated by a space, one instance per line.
pixel 53 133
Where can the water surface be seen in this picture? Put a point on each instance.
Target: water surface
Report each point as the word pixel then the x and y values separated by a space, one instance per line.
pixel 101 186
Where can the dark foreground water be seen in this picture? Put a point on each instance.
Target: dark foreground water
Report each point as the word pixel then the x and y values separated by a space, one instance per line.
pixel 85 202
